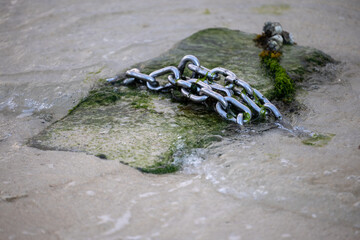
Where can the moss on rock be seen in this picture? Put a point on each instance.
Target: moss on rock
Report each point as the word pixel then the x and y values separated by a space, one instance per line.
pixel 318 140
pixel 284 87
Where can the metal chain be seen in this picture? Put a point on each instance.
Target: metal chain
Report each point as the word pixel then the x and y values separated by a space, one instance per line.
pixel 233 104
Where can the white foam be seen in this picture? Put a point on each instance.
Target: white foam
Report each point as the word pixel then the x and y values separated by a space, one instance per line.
pixel 90 193
pixel 234 237
pixel 248 226
pixel 105 219
pixel 120 223
pixel 260 192
pixel 134 237
pixel 181 185
pixel 148 194
pixel 9 103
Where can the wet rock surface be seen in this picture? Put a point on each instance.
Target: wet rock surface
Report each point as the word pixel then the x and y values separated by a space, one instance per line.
pixel 146 130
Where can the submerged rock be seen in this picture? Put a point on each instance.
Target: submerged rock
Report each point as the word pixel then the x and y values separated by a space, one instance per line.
pixel 145 129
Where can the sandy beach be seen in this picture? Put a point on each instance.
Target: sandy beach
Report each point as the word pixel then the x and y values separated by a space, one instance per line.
pixel 267 186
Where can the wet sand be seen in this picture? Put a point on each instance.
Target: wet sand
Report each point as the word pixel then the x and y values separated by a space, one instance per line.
pixel 268 186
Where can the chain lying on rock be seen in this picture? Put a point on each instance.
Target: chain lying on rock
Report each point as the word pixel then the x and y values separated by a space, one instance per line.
pixel 233 104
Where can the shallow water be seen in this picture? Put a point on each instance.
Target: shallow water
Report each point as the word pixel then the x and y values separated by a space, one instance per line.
pixel 250 185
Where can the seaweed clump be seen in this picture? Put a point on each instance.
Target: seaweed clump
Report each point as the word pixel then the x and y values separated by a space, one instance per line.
pixel 284 87
pixel 159 168
pixel 318 140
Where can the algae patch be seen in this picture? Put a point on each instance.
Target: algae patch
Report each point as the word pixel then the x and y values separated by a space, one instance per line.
pixel 273 9
pixel 101 156
pixel 206 12
pixel 284 87
pixel 318 140
pixel 98 97
pixel 123 124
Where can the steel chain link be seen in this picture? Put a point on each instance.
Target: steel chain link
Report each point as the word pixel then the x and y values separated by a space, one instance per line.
pixel 233 104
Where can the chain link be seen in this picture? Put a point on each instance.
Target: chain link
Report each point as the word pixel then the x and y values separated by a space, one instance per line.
pixel 231 103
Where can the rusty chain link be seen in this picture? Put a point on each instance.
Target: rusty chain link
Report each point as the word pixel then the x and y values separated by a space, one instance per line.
pixel 233 104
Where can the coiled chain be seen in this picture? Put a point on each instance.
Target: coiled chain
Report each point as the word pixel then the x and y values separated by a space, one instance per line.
pixel 233 104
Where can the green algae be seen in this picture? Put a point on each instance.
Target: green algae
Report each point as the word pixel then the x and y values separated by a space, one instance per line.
pixel 318 59
pixel 318 140
pixel 273 9
pixel 301 62
pixel 206 12
pixel 145 130
pixel 92 76
pixel 101 156
pixel 144 138
pixel 98 97
pixel 161 168
pixel 107 95
pixel 284 87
